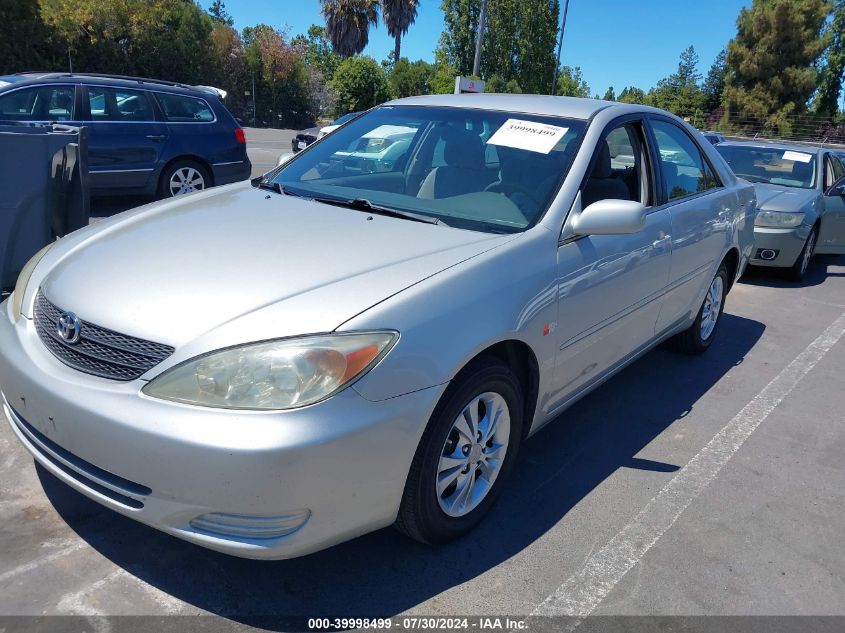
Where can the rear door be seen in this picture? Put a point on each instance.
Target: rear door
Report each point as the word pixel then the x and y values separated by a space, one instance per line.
pixel 832 235
pixel 126 138
pixel 699 207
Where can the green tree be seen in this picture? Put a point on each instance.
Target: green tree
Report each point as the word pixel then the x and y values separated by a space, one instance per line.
pixel 443 79
pixel 218 13
pixel 519 39
pixel 348 24
pixel 632 94
pixel 398 16
pixel 359 84
pixel 830 87
pixel 680 93
pixel 714 83
pixel 609 95
pixel 571 82
pixel 27 43
pixel 408 79
pixel 317 52
pixel 771 63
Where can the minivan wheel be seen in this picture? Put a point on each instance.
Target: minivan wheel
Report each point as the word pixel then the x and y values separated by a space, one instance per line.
pixel 183 177
pixel 465 454
pixel 698 337
pixel 797 270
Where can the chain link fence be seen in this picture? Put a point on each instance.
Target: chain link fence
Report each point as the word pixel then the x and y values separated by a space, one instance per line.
pixel 804 128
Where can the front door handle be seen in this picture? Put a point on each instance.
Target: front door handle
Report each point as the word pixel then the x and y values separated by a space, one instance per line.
pixel 156 137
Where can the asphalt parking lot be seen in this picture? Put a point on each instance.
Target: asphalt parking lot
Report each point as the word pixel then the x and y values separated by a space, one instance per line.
pixel 712 485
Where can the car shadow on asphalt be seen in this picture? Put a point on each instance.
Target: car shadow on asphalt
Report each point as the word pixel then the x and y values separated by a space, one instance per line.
pixel 384 573
pixel 817 272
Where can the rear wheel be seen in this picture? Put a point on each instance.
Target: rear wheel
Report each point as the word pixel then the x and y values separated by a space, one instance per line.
pixel 465 454
pixel 799 268
pixel 183 176
pixel 698 337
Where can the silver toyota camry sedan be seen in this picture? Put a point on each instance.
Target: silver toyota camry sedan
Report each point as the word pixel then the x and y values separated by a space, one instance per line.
pixel 269 368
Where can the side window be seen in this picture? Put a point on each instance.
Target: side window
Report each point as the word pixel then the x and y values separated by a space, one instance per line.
pixel 44 103
pixel 109 104
pixel 833 170
pixel 685 172
pixel 182 109
pixel 619 171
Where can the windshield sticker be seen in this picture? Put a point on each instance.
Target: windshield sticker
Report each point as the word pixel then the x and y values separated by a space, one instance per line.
pixel 528 135
pixel 798 157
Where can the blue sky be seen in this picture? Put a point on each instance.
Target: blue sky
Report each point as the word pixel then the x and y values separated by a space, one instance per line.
pixel 615 42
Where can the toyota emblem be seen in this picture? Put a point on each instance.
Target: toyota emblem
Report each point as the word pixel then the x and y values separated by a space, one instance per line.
pixel 69 328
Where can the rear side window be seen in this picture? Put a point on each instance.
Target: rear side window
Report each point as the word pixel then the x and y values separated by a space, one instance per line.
pixel 43 103
pixel 182 109
pixel 685 172
pixel 110 104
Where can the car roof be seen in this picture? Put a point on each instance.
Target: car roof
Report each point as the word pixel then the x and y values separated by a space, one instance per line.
pixel 40 77
pixel 543 105
pixel 779 145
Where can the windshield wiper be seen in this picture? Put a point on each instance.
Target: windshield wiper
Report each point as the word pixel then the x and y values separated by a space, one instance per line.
pixel 362 204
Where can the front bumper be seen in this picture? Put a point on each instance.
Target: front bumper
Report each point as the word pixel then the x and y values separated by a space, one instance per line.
pixel 344 460
pixel 787 243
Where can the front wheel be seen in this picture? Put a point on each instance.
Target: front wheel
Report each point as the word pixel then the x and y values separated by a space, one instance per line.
pixel 698 337
pixel 465 454
pixel 799 268
pixel 183 177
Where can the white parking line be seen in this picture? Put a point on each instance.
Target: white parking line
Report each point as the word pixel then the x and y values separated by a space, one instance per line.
pixel 584 591
pixel 44 560
pixel 79 602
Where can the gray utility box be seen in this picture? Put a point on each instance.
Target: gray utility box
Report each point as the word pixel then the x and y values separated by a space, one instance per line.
pixel 43 190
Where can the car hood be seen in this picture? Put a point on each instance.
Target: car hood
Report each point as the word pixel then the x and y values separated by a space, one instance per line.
pixel 782 198
pixel 174 270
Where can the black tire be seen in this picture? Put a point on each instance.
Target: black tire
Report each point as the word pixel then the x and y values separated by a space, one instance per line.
pixel 182 164
pixel 690 341
pixel 797 271
pixel 420 515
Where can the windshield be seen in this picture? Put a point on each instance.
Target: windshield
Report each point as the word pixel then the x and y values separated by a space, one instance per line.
pixel 791 168
pixel 476 169
pixel 343 119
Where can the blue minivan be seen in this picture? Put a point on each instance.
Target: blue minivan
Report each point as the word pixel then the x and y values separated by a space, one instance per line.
pixel 146 137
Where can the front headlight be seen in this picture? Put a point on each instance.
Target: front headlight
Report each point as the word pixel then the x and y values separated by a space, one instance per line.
pixel 273 375
pixel 23 281
pixel 778 219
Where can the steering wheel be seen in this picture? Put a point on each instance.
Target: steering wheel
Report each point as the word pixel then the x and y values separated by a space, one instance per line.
pixel 509 188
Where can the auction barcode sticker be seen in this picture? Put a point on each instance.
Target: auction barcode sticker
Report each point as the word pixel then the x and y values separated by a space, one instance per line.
pixel 799 157
pixel 528 135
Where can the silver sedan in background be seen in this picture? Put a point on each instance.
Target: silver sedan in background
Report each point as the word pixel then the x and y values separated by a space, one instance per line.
pixel 268 370
pixel 800 200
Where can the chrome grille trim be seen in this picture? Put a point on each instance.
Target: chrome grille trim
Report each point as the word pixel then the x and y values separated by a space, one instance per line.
pixel 99 351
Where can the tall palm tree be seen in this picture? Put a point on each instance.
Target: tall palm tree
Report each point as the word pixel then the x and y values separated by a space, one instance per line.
pixel 348 24
pixel 399 15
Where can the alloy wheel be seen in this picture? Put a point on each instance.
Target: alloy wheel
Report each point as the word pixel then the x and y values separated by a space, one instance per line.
pixel 186 180
pixel 712 308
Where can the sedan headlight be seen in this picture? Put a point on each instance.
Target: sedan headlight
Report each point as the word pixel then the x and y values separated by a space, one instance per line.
pixel 23 281
pixel 778 219
pixel 274 375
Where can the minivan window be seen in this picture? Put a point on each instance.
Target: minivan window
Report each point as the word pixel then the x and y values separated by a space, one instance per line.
pixel 182 109
pixel 41 103
pixel 109 104
pixel 685 172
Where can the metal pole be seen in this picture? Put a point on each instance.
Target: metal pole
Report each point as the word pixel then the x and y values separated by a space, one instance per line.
pixel 559 47
pixel 253 100
pixel 476 64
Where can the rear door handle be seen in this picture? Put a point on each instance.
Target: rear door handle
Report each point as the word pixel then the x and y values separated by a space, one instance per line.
pixel 156 137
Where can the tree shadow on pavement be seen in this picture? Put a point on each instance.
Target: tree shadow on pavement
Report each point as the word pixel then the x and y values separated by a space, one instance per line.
pixel 384 573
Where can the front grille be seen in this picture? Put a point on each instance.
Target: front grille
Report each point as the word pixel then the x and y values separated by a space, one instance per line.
pixel 98 351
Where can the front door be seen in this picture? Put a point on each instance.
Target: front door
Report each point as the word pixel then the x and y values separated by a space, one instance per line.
pixel 610 287
pixel 125 139
pixel 831 238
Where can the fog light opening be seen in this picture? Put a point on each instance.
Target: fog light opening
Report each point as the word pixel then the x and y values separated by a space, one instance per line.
pixel 239 526
pixel 767 254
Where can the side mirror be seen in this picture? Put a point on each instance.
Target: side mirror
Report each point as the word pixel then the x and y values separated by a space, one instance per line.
pixel 610 217
pixel 285 158
pixel 837 188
